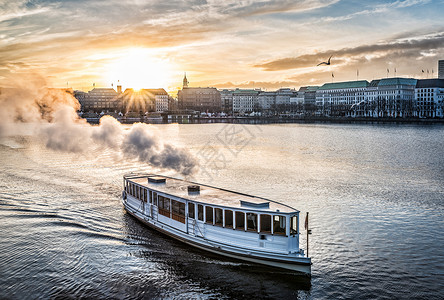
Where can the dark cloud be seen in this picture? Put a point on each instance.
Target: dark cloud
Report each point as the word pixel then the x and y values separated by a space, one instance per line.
pixel 409 48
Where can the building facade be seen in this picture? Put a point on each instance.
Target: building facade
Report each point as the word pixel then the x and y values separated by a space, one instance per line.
pixel 393 97
pixel 441 69
pixel 307 95
pixel 283 96
pixel 429 94
pixel 144 100
pixel 161 99
pixel 245 101
pixel 200 99
pixel 98 100
pixel 339 99
pixel 226 97
pixel 266 100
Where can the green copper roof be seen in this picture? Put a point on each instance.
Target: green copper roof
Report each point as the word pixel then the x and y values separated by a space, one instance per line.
pixel 397 81
pixel 345 85
pixel 239 91
pixel 312 88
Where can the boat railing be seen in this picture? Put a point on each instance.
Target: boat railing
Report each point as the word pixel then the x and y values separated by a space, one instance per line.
pixel 195 225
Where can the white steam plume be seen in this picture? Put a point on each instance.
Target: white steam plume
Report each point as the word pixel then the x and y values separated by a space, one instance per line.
pixel 53 113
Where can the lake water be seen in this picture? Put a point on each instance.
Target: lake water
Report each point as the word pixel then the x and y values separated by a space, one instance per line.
pixel 375 194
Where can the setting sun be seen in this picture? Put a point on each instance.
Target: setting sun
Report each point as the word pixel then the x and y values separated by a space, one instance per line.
pixel 139 68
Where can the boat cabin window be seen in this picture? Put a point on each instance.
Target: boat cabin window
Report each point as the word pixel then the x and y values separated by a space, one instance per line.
pixel 200 212
pixel 251 222
pixel 265 223
pixel 228 218
pixel 209 214
pixel 240 220
pixel 144 195
pixel 178 211
pixel 191 210
pixel 164 206
pixel 151 196
pixel 278 224
pixel 294 225
pixel 218 218
pixel 154 197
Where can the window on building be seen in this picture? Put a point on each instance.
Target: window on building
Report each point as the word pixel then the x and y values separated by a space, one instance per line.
pixel 209 214
pixel 251 221
pixel 228 218
pixel 265 223
pixel 278 224
pixel 240 220
pixel 218 217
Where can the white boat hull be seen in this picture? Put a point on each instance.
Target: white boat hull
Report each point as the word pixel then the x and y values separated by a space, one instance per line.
pixel 295 263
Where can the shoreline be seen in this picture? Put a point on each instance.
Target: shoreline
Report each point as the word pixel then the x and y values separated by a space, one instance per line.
pixel 263 120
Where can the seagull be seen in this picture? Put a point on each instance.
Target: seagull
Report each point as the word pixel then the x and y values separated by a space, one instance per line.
pixel 325 63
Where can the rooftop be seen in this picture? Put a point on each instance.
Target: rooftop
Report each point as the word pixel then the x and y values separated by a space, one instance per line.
pixel 211 195
pixel 397 81
pixel 374 83
pixel 308 89
pixel 430 83
pixel 344 85
pixel 244 91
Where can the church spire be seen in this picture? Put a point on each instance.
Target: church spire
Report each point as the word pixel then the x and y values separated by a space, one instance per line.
pixel 185 80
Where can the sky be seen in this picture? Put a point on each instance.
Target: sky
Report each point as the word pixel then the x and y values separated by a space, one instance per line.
pixel 224 44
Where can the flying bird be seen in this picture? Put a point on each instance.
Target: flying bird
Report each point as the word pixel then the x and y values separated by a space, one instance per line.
pixel 327 63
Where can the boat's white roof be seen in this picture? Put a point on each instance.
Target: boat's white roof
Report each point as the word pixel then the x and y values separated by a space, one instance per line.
pixel 211 195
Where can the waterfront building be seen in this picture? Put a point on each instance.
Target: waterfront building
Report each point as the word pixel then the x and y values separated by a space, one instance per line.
pixel 429 94
pixel 339 99
pixel 307 95
pixel 441 69
pixel 172 103
pixel 144 100
pixel 283 96
pixel 226 97
pixel 395 98
pixel 98 100
pixel 245 100
pixel 266 100
pixel 199 98
pixel 161 99
pixel 80 96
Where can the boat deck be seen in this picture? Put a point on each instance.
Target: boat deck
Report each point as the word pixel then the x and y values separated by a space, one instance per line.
pixel 211 195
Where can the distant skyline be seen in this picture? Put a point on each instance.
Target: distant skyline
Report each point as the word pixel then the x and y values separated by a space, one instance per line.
pixel 224 44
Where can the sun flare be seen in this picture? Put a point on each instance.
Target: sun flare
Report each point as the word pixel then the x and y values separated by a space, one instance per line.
pixel 139 68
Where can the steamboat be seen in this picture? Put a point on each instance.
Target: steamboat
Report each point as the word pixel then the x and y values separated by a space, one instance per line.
pixel 224 222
